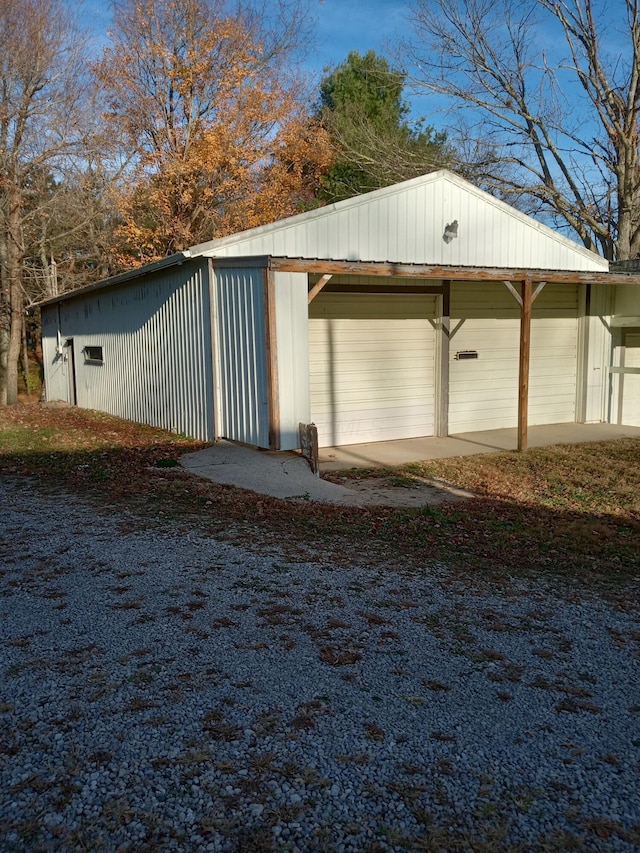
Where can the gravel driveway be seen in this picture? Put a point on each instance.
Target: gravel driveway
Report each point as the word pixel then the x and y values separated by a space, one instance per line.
pixel 161 690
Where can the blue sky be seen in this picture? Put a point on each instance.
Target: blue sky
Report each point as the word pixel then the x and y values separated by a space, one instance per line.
pixel 361 25
pixel 341 26
pixel 345 25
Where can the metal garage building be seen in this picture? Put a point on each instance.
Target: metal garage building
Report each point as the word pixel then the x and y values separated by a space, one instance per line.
pixel 426 308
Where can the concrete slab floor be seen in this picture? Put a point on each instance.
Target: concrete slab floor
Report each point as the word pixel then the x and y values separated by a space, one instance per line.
pixel 383 454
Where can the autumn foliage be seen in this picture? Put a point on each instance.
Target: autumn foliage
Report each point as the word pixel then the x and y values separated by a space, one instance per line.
pixel 220 138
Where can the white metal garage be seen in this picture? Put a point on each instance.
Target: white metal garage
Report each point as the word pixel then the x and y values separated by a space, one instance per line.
pixel 424 308
pixel 372 366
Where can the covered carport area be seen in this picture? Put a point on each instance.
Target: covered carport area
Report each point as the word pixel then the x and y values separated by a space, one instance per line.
pixel 524 285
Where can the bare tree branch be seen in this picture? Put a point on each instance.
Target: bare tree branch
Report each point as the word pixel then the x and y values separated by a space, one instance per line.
pixel 42 122
pixel 561 123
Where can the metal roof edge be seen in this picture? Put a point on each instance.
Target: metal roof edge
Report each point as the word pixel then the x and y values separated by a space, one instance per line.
pixel 170 261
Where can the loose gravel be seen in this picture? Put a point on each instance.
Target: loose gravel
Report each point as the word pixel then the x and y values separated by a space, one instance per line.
pixel 162 690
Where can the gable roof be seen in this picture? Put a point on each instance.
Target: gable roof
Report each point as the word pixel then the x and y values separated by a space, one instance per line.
pixel 405 223
pixel 401 224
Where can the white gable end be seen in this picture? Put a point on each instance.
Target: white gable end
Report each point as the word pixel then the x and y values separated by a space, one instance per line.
pixel 406 223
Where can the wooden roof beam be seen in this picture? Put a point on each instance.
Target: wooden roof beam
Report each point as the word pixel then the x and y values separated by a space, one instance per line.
pixel 450 273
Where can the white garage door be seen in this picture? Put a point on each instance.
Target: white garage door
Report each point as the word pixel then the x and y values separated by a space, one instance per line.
pixel 372 366
pixel 631 383
pixel 483 391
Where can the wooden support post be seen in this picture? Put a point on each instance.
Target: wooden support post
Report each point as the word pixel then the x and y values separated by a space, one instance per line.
pixel 525 356
pixel 309 446
pixel 442 426
pixel 273 400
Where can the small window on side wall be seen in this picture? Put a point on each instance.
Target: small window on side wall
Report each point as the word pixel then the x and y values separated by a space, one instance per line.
pixel 93 355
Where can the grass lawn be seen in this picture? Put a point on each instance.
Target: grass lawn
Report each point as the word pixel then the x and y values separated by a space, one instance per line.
pixel 570 512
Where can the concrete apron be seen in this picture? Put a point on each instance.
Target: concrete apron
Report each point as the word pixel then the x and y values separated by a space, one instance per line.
pixel 280 475
pixel 385 454
pixel 287 476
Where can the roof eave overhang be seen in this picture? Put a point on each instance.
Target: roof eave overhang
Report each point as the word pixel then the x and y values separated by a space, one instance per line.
pixel 122 278
pixel 451 273
pixel 373 268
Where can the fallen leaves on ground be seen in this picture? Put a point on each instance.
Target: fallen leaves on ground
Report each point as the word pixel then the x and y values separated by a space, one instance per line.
pixel 570 511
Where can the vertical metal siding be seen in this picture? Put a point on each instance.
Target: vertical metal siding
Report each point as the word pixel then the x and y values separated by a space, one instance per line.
pixel 406 223
pixel 483 392
pixel 554 356
pixel 627 301
pixel 599 354
pixel 156 340
pixel 242 356
pixel 55 367
pixel 293 355
pixel 630 403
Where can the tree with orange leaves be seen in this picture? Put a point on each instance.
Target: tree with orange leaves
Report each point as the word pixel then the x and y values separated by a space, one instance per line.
pixel 203 99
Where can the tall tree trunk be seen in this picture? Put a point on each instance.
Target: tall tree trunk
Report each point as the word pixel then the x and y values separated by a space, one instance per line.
pixel 15 335
pixel 43 255
pixel 4 352
pixel 5 315
pixel 623 243
pixel 16 299
pixel 628 187
pixel 25 355
pixel 45 117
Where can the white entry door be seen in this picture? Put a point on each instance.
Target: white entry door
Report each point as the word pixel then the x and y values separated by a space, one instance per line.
pixel 372 366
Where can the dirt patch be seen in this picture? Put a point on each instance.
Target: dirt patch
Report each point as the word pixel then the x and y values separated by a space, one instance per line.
pixel 380 491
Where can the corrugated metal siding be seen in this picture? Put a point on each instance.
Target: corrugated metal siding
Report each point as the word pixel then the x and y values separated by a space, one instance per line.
pixel 598 356
pixel 156 342
pixel 406 224
pixel 240 323
pixel 483 392
pixel 630 415
pixel 293 355
pixel 627 301
pixel 372 365
pixel 56 368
